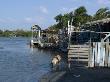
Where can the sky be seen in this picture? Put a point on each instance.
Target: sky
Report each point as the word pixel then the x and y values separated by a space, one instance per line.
pixel 22 14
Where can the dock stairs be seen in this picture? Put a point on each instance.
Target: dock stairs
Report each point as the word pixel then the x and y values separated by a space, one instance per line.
pixel 78 55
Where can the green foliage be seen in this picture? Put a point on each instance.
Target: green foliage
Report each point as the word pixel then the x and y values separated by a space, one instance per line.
pixel 62 21
pixel 79 17
pixel 54 27
pixel 17 33
pixel 22 33
pixel 6 33
pixel 65 19
pixel 58 18
pixel 1 32
pixel 80 11
pixel 102 13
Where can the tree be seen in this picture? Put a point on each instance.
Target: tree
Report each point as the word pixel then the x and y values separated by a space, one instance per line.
pixel 102 13
pixel 65 19
pixel 53 27
pixel 1 31
pixel 80 11
pixel 81 16
pixel 59 19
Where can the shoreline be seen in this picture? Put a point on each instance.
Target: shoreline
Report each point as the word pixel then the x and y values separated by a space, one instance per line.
pixel 52 76
pixel 98 74
pixel 87 75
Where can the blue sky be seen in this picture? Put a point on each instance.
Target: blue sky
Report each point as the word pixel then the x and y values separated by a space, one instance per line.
pixel 18 14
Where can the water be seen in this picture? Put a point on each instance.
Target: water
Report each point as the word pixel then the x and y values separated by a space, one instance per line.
pixel 20 63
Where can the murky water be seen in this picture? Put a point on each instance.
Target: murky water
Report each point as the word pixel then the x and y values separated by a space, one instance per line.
pixel 20 63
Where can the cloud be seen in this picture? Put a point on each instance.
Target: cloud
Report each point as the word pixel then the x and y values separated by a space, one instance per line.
pixel 2 21
pixel 75 0
pixel 65 10
pixel 8 20
pixel 43 10
pixel 28 19
pixel 72 9
pixel 33 20
pixel 103 2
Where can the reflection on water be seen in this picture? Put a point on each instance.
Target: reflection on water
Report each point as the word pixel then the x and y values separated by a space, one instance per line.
pixel 20 63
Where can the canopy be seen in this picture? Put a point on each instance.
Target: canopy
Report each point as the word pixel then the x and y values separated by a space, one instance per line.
pixel 107 20
pixel 36 27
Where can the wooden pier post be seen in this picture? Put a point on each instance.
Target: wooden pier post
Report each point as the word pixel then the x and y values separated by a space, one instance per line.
pixel 107 53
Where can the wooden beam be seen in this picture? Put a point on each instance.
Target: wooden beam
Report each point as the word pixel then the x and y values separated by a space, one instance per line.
pixel 82 56
pixel 79 60
pixel 79 46
pixel 78 53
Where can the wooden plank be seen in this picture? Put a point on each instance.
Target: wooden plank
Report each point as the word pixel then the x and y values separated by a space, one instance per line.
pixel 72 56
pixel 82 56
pixel 72 49
pixel 95 54
pixel 102 51
pixel 78 53
pixel 91 57
pixel 98 54
pixel 80 46
pixel 109 58
pixel 107 54
pixel 78 60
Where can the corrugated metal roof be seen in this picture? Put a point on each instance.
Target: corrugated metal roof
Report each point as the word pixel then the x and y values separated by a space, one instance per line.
pixel 107 20
pixel 36 27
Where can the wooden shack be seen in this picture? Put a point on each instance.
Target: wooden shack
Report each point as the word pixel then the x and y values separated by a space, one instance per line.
pixel 90 46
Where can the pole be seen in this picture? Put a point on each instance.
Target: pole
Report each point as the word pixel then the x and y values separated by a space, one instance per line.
pixel 39 35
pixel 32 34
